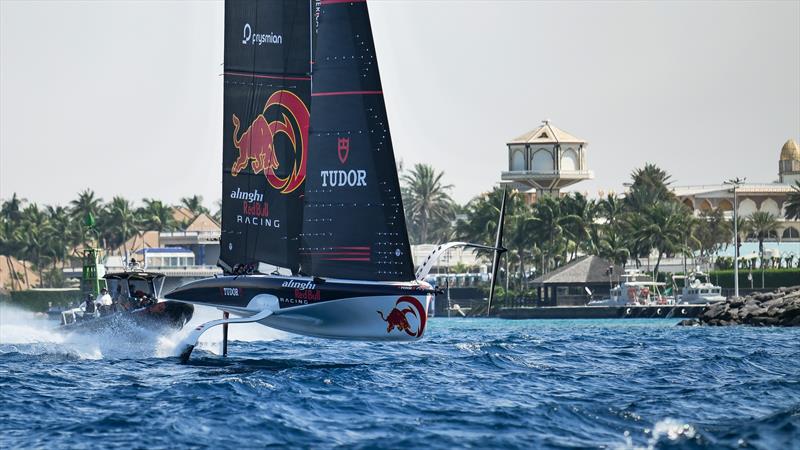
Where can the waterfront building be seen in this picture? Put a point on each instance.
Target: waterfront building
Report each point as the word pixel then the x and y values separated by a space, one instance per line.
pixel 545 160
pixel 770 197
pixel 574 284
pixel 752 197
pixel 182 256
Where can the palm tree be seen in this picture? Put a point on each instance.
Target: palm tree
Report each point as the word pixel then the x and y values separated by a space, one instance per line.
pixel 10 217
pixel 712 232
pixel 427 201
pixel 195 205
pixel 218 213
pixel 120 222
pixel 548 227
pixel 579 222
pixel 32 236
pixel 763 225
pixel 154 215
pixel 614 247
pixel 612 209
pixel 650 185
pixel 85 205
pixel 479 225
pixel 12 208
pixel 62 237
pixel 792 204
pixel 663 227
pixel 84 210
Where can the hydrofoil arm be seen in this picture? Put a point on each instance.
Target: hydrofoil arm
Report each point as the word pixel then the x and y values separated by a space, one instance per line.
pixel 426 266
pixel 190 341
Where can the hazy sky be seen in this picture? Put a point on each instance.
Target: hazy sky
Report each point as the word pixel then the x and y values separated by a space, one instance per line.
pixel 126 97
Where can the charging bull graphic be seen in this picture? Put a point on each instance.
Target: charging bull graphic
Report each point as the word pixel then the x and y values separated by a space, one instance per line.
pixel 398 316
pixel 256 145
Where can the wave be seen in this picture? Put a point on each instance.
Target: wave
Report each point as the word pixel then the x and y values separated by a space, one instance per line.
pixel 28 333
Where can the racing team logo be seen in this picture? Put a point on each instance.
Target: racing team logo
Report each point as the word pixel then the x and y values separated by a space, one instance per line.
pixel 398 316
pixel 256 144
pixel 344 149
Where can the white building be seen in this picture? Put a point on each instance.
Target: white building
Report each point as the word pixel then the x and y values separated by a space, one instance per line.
pixel 752 197
pixel 546 160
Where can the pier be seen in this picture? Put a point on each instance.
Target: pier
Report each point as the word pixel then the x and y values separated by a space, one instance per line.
pixel 603 312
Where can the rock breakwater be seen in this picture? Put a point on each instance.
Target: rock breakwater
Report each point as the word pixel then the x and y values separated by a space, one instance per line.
pixel 779 309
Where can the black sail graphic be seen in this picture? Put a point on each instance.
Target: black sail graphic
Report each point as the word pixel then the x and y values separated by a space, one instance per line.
pixel 265 133
pixel 353 222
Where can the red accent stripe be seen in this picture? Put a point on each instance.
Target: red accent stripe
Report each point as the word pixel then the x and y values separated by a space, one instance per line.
pixel 271 77
pixel 325 94
pixel 338 253
pixel 331 2
pixel 346 259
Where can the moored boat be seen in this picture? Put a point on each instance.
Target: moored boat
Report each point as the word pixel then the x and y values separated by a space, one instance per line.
pixel 698 289
pixel 635 288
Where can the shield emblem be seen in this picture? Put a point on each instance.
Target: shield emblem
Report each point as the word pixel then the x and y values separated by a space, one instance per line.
pixel 344 149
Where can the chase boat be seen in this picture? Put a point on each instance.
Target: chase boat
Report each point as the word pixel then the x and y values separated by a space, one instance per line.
pixel 136 299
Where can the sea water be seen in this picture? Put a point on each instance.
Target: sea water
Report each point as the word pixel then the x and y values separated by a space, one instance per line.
pixel 482 383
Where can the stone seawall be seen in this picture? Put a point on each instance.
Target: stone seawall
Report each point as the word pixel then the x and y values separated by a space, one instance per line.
pixel 780 309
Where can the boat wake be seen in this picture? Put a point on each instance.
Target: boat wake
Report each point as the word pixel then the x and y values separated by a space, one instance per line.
pixel 26 333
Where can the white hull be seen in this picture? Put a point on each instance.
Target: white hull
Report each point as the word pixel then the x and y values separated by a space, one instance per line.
pixel 381 318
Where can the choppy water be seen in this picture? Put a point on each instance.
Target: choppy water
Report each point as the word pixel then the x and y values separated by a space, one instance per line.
pixel 470 383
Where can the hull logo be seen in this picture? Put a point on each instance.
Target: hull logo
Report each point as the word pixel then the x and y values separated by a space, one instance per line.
pixel 230 292
pixel 398 316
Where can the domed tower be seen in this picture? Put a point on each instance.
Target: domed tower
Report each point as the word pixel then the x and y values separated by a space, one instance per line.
pixel 547 159
pixel 789 165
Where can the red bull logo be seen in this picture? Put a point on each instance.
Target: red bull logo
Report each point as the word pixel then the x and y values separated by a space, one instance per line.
pixel 397 318
pixel 256 145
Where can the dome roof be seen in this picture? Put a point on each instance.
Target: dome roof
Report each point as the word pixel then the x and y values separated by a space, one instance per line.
pixel 790 151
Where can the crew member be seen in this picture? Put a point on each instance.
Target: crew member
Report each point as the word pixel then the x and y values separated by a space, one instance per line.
pixel 104 301
pixel 88 306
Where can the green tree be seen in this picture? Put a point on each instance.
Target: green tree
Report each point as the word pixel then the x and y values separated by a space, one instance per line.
pixel 579 214
pixel 32 236
pixel 793 202
pixel 763 225
pixel 650 185
pixel 62 235
pixel 120 222
pixel 85 206
pixel 713 232
pixel 195 205
pixel 154 215
pixel 663 227
pixel 427 202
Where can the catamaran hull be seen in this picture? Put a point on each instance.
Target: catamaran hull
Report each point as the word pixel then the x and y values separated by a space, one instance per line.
pixel 329 309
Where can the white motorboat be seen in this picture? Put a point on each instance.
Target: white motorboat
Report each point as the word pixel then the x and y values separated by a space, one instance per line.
pixel 635 289
pixel 698 289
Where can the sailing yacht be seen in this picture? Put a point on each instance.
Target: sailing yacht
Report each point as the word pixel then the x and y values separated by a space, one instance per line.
pixel 314 239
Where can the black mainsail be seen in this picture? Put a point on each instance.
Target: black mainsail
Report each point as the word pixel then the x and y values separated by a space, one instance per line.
pixel 309 176
pixel 353 221
pixel 265 139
